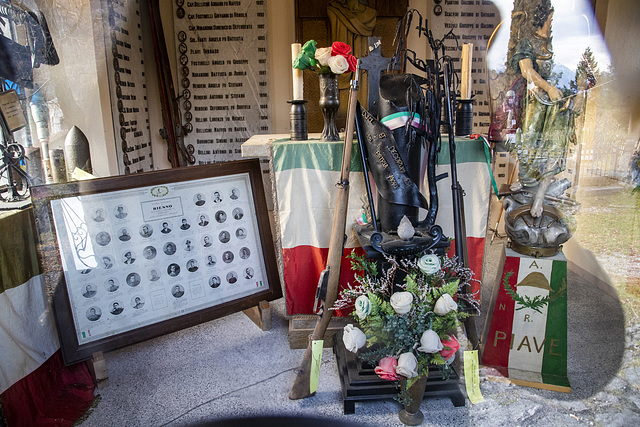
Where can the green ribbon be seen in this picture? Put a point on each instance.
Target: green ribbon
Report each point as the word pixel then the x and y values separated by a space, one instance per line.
pixel 488 160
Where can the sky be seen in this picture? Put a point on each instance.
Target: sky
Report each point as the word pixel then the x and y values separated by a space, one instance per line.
pixel 574 29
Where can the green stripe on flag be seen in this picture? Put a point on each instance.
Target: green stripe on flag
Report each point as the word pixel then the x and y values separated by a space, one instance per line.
pixel 554 364
pixel 467 151
pixel 18 257
pixel 313 154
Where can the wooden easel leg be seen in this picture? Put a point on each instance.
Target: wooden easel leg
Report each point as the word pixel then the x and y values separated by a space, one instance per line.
pixel 98 368
pixel 260 315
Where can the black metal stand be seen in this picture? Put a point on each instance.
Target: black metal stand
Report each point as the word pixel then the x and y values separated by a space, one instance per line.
pixel 360 383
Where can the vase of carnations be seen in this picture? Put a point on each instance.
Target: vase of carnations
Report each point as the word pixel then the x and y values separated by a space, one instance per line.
pixel 329 63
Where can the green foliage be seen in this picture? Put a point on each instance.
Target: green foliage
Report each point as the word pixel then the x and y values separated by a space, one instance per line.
pixel 391 334
pixel 411 284
pixel 360 263
pixel 536 303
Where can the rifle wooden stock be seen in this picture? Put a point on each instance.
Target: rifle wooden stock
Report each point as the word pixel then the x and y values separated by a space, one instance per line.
pixel 302 383
pixel 459 225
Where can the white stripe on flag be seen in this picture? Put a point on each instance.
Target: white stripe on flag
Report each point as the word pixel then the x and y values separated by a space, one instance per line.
pixel 529 326
pixel 27 331
pixel 306 203
pixel 474 179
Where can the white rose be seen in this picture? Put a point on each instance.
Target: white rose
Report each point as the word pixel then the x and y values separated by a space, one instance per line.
pixel 430 342
pixel 322 55
pixel 353 338
pixel 401 302
pixel 429 264
pixel 338 64
pixel 444 305
pixel 407 364
pixel 363 307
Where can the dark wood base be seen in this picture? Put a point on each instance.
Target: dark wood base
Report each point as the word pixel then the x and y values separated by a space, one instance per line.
pixel 360 383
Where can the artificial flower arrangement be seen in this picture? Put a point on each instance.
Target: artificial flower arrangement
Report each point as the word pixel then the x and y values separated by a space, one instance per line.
pixel 409 326
pixel 336 59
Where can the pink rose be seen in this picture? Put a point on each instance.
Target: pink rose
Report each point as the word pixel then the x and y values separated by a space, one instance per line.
pixel 340 48
pixel 453 345
pixel 386 368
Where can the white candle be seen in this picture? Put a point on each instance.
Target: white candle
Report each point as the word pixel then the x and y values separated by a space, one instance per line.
pixel 298 88
pixel 465 80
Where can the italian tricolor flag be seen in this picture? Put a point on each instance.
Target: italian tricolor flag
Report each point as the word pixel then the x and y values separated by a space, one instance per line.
pixel 306 174
pixel 35 386
pixel 524 342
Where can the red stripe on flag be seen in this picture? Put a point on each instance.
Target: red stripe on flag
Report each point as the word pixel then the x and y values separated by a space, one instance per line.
pixel 52 395
pixel 497 346
pixel 302 267
pixel 475 253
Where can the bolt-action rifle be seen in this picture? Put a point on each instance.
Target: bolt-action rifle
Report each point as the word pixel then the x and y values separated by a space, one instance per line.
pixel 329 278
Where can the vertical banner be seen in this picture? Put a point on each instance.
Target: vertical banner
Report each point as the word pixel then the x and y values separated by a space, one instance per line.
pixel 222 75
pixel 127 85
pixel 527 332
pixel 472 21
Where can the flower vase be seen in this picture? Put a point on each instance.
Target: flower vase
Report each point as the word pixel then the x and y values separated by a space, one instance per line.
pixel 411 414
pixel 329 104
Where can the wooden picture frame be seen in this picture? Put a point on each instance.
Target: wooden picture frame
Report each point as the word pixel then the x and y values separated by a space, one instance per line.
pixel 129 258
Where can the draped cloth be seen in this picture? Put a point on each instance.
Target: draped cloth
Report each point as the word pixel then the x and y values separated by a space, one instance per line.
pixel 352 22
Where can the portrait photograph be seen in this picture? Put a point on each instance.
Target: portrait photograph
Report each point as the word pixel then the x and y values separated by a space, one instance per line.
pixel 234 194
pixel 187 245
pixel 203 220
pixel 177 291
pixel 133 279
pixel 116 308
pixel 237 213
pixel 111 285
pixel 146 230
pixel 106 262
pixel 166 227
pixel 199 199
pixel 98 215
pixel 169 248
pixel 124 235
pixel 206 241
pixel 224 236
pixel 89 290
pixel 93 313
pixel 210 261
pixel 232 277
pixel 153 275
pixel 227 257
pixel 120 212
pixel 173 270
pixel 128 257
pixel 149 252
pixel 103 238
pixel 214 281
pixel 221 216
pixel 184 224
pixel 192 265
pixel 137 302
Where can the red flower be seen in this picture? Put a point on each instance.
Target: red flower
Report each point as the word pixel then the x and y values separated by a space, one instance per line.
pixel 453 345
pixel 340 48
pixel 353 62
pixel 386 368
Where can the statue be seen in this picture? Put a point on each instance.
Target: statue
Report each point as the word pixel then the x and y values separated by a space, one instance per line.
pixel 536 121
